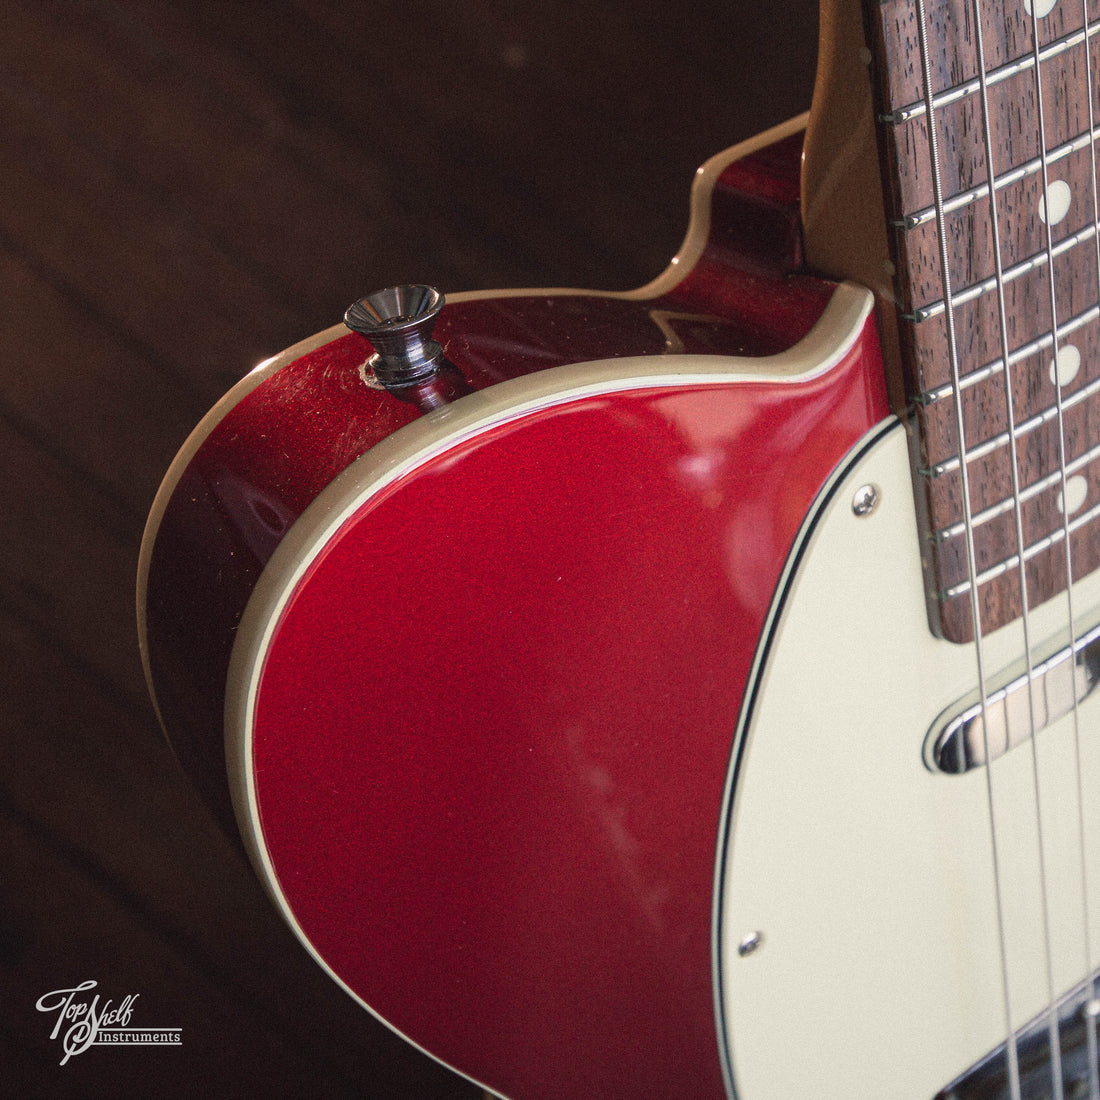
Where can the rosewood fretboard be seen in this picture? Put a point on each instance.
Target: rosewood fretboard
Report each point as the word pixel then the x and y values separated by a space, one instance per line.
pixel 1039 297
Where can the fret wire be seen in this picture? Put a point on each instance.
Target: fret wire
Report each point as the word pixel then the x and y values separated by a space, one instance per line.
pixel 930 397
pixel 1025 427
pixel 1048 541
pixel 1028 168
pixel 993 78
pixel 1032 263
pixel 945 534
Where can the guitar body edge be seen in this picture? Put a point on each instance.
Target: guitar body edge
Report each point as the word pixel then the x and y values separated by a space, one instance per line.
pixel 500 660
pixel 479 671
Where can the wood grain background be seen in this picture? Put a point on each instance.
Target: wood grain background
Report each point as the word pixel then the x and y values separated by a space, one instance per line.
pixel 187 186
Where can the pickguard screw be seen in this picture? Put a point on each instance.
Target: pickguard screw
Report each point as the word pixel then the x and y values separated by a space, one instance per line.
pixel 865 501
pixel 750 943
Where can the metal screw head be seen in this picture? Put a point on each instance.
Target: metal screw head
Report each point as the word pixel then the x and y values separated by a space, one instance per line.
pixel 865 500
pixel 750 943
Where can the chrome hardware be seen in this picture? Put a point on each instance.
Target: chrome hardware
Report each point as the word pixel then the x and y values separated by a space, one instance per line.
pixel 957 741
pixel 865 500
pixel 750 943
pixel 398 322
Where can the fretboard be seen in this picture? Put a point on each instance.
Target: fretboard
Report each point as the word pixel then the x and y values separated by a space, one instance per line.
pixel 979 345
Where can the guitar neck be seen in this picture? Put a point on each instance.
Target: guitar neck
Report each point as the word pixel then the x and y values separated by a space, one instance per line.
pixel 985 136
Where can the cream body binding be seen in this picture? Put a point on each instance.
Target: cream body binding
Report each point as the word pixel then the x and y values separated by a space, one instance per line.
pixel 679 267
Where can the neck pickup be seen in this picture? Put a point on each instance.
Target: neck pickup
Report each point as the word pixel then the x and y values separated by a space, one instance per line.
pixel 967 737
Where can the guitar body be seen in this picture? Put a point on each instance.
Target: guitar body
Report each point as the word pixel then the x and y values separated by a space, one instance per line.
pixel 487 714
pixel 598 728
pixel 479 671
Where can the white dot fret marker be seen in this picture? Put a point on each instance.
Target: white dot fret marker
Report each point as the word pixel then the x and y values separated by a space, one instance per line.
pixel 1068 364
pixel 1077 488
pixel 1056 202
pixel 1042 7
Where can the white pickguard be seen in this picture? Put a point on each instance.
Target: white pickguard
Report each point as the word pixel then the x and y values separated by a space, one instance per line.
pixel 869 876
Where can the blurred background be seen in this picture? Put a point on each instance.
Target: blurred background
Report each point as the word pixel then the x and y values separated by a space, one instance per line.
pixel 187 187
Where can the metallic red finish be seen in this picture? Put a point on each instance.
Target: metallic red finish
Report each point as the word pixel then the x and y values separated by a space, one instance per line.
pixel 289 437
pixel 278 446
pixel 494 723
pixel 495 720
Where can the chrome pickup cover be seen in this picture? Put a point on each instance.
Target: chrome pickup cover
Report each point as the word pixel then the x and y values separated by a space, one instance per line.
pixel 963 737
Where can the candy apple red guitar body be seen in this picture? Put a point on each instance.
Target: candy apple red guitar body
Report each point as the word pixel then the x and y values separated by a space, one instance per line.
pixel 593 701
pixel 469 680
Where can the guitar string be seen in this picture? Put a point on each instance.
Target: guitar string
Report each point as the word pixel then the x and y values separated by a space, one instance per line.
pixel 1007 382
pixel 1007 378
pixel 916 218
pixel 955 93
pixel 1090 997
pixel 975 609
pixel 1053 1028
pixel 1091 1042
pixel 995 366
pixel 1017 514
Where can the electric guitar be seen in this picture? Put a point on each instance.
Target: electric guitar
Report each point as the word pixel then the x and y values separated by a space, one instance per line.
pixel 615 696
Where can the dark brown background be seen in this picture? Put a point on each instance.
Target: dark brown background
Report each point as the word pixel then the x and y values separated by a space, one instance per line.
pixel 187 187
